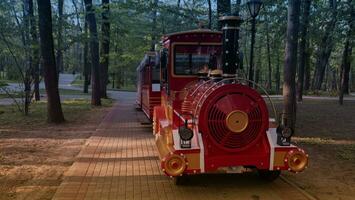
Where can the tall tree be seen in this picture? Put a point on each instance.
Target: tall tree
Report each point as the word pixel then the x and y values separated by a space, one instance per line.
pixel 60 64
pixel 34 50
pixel 105 46
pixel 269 80
pixel 154 24
pixel 307 68
pixel 289 86
pixel 54 108
pixel 94 51
pixel 237 7
pixel 277 73
pixel 209 14
pixel 347 52
pixel 303 53
pixel 87 64
pixel 325 48
pixel 29 59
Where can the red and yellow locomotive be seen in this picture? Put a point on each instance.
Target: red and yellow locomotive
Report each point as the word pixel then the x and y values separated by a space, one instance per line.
pixel 210 119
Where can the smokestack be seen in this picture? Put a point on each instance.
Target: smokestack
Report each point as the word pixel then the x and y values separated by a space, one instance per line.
pixel 230 58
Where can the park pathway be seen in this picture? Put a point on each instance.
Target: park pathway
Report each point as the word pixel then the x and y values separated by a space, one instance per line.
pixel 120 162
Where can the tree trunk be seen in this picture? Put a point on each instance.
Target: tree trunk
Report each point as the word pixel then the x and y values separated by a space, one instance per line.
pixel 54 107
pixel 35 51
pixel 346 60
pixel 303 49
pixel 154 25
pixel 269 83
pixel 237 7
pixel 87 66
pixel 28 63
pixel 105 47
pixel 223 9
pixel 277 74
pixel 59 37
pixel 209 14
pixel 94 51
pixel 307 68
pixel 289 86
pixel 325 48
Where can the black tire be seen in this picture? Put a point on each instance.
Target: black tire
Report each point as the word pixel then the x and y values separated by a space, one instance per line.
pixel 268 175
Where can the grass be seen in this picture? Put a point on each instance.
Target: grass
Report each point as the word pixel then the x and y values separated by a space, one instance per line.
pixel 9 81
pixel 78 81
pixel 13 95
pixel 129 88
pixel 347 152
pixel 74 110
pixel 3 83
pixel 67 92
pixel 43 91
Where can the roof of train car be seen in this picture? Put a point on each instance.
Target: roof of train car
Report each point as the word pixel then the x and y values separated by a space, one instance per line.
pixel 167 36
pixel 142 63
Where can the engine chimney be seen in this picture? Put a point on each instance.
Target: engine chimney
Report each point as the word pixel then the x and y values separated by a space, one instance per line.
pixel 230 58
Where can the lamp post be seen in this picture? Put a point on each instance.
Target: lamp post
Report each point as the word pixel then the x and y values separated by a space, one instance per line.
pixel 254 7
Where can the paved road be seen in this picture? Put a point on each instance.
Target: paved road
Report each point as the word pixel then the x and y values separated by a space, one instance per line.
pixel 64 82
pixel 120 162
pixel 351 97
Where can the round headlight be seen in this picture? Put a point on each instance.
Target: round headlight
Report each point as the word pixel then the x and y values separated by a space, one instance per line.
pixel 185 133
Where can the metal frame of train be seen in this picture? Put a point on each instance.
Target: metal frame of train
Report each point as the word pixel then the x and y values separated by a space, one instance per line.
pixel 208 119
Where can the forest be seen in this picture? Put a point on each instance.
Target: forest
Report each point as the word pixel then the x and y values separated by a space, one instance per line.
pixel 104 41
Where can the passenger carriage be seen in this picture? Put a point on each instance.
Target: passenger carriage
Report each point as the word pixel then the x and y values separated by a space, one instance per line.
pixel 148 84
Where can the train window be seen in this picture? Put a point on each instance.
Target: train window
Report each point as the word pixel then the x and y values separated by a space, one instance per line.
pixel 155 70
pixel 163 64
pixel 189 59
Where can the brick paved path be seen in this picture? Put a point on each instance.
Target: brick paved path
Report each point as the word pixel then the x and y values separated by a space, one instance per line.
pixel 120 162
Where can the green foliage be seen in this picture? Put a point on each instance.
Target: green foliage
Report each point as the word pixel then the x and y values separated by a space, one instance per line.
pixel 132 33
pixel 3 84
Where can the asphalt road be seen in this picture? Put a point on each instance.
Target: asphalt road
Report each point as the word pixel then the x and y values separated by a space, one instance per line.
pixel 64 82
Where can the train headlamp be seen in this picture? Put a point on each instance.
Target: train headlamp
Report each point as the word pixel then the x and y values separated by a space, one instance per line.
pixel 186 134
pixel 286 132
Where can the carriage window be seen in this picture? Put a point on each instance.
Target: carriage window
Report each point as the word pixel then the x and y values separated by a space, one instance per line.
pixel 155 73
pixel 163 64
pixel 189 59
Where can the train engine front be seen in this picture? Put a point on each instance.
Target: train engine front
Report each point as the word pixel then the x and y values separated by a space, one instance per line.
pixel 223 124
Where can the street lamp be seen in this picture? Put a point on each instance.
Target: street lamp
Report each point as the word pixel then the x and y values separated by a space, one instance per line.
pixel 254 7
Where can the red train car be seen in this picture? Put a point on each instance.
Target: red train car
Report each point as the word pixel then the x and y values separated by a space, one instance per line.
pixel 148 84
pixel 209 119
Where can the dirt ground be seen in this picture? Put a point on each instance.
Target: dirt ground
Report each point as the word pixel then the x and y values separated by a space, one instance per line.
pixel 327 132
pixel 33 161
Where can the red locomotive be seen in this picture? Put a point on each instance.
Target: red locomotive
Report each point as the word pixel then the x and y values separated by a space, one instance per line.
pixel 209 119
pixel 148 84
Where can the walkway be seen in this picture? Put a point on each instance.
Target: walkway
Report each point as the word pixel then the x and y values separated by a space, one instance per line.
pixel 120 162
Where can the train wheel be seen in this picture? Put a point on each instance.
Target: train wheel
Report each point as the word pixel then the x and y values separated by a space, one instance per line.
pixel 269 175
pixel 179 180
